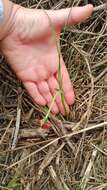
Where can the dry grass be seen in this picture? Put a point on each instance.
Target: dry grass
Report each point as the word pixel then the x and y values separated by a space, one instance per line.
pixel 73 154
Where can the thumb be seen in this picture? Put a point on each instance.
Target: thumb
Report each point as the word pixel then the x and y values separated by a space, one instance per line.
pixel 70 16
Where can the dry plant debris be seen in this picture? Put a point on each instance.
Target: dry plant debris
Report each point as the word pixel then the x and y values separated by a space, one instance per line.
pixel 72 155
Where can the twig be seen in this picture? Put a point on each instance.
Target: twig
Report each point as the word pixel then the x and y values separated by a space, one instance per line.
pixel 91 91
pixel 29 114
pixel 100 75
pixel 99 63
pixel 38 132
pixel 6 131
pixel 17 128
pixel 29 133
pixel 85 165
pixel 4 188
pixel 58 159
pixel 100 7
pixel 72 126
pixel 56 180
pixel 88 170
pixel 49 157
pixel 69 135
pixel 64 132
pixel 97 148
pixel 101 187
pixel 87 129
pixel 64 184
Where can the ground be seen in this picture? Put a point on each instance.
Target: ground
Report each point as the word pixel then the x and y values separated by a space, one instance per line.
pixel 72 155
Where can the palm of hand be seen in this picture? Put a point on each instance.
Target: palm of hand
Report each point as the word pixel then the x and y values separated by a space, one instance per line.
pixel 32 53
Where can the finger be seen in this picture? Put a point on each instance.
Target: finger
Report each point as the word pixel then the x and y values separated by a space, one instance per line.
pixel 34 93
pixel 67 85
pixel 45 92
pixel 53 85
pixel 70 16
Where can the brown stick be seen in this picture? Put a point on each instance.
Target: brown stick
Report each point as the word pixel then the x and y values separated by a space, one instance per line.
pixel 56 180
pixel 29 133
pixel 47 160
pixel 100 7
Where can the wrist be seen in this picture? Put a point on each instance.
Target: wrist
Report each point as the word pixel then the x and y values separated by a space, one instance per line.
pixel 7 20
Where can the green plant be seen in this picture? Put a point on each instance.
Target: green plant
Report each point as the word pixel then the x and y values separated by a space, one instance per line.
pixel 59 91
pixel 14 183
pixel 78 188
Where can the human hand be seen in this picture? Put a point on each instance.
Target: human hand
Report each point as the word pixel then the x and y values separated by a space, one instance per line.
pixel 31 51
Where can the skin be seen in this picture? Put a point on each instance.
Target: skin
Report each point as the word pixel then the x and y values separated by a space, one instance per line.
pixel 31 51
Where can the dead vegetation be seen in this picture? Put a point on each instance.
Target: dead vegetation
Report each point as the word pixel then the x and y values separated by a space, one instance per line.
pixel 73 154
